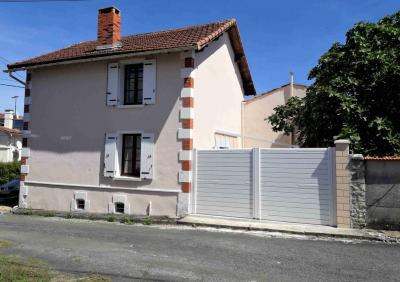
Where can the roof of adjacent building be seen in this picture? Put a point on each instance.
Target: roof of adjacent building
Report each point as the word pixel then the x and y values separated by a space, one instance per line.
pixel 194 37
pixel 272 91
pixel 386 158
pixel 9 130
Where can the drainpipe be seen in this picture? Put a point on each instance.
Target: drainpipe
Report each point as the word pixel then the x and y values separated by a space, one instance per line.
pixel 10 73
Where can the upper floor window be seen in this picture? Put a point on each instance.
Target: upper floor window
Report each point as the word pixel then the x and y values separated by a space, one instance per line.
pixel 133 84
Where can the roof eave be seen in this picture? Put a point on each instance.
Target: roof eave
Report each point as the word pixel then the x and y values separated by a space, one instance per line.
pixel 96 57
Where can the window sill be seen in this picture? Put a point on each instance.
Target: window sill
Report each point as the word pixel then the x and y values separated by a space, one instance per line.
pixel 129 106
pixel 127 178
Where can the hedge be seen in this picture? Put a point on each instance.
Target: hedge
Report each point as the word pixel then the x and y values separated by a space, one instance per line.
pixel 9 171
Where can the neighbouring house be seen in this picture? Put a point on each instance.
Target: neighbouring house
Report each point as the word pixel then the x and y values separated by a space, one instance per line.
pixel 18 122
pixel 10 139
pixel 110 124
pixel 257 131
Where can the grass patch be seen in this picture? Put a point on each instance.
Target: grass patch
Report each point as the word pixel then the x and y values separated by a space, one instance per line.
pixel 19 269
pixel 5 244
pixel 23 269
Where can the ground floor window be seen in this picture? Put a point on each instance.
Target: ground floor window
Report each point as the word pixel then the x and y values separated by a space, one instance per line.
pixel 119 207
pixel 80 204
pixel 131 146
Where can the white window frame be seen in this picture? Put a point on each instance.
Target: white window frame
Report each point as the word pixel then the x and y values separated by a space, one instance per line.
pixel 118 175
pixel 228 134
pixel 121 82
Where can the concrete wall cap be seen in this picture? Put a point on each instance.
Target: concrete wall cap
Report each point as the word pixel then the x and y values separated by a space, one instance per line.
pixel 342 141
pixel 357 157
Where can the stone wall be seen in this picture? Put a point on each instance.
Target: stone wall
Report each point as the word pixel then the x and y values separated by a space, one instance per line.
pixel 358 208
pixel 382 179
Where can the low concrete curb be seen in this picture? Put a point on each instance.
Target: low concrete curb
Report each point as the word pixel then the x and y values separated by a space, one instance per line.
pixel 297 229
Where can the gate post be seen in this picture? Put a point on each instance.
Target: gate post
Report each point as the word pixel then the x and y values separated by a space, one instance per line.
pixel 256 184
pixel 342 184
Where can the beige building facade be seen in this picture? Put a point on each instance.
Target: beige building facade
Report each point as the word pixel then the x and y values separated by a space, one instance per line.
pixel 257 131
pixel 86 149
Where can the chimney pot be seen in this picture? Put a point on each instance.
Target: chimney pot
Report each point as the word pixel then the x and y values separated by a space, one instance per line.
pixel 109 28
pixel 8 118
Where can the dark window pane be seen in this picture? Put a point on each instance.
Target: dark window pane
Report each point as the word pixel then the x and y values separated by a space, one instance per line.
pixel 133 89
pixel 119 207
pixel 131 152
pixel 80 204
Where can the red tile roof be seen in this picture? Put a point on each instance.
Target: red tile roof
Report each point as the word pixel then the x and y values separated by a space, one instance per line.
pixel 182 38
pixel 386 158
pixel 9 130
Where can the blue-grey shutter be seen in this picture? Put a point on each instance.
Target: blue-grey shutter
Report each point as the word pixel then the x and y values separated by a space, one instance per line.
pixel 149 82
pixel 110 155
pixel 112 84
pixel 147 156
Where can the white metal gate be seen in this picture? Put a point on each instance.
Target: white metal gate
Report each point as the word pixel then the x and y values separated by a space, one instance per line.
pixel 286 185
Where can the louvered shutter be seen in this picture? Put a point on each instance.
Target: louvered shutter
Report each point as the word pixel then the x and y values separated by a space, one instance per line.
pixel 112 84
pixel 110 155
pixel 147 156
pixel 149 82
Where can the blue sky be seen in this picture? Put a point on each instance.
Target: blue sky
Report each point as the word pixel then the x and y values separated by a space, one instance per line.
pixel 278 36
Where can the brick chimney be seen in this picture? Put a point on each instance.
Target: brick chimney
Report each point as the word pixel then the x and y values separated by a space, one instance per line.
pixel 8 118
pixel 109 28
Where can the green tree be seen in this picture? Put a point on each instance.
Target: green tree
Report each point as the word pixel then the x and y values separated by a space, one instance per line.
pixel 9 171
pixel 355 93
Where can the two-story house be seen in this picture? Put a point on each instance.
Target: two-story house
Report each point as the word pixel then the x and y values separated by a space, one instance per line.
pixel 110 124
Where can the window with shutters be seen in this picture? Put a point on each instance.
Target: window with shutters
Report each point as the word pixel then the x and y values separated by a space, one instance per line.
pixel 129 155
pixel 131 152
pixel 133 84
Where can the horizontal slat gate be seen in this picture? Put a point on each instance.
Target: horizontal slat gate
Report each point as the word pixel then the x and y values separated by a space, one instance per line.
pixel 224 182
pixel 290 185
pixel 295 185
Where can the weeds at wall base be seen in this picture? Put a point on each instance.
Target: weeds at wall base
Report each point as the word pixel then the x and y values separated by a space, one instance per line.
pixel 122 218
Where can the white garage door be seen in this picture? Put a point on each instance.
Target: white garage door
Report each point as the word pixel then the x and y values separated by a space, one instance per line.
pixel 284 185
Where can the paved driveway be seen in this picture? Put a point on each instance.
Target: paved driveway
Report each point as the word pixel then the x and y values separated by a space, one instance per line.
pixel 152 253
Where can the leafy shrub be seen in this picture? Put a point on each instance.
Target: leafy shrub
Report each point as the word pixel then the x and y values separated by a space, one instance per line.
pixel 9 171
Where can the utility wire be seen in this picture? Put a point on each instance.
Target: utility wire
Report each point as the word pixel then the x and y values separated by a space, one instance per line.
pixel 33 1
pixel 5 62
pixel 9 85
pixel 6 79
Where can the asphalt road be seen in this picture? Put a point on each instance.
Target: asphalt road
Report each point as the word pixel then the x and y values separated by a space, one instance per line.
pixel 153 253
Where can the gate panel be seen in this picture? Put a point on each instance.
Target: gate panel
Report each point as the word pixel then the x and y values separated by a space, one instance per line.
pixel 296 185
pixel 223 183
